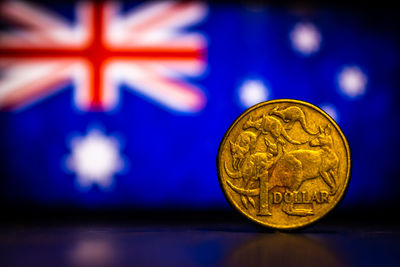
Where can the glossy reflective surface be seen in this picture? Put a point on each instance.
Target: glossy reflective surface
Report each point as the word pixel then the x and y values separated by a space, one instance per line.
pixel 199 244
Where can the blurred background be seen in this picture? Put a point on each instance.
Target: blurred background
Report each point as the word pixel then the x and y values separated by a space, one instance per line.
pixel 121 106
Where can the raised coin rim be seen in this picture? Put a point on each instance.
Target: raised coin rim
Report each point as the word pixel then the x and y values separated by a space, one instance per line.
pixel 244 113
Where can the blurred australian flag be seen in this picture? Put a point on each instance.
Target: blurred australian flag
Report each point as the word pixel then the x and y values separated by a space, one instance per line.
pixel 113 105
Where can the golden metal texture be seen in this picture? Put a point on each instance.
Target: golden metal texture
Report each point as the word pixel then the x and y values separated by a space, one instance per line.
pixel 284 164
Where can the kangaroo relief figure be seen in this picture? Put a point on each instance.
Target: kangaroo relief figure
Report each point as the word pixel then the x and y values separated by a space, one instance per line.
pixel 269 124
pixel 290 115
pixel 253 168
pixel 294 167
pixel 244 143
pixel 243 163
pixel 297 166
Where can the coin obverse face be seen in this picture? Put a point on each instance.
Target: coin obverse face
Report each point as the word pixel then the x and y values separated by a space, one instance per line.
pixel 284 164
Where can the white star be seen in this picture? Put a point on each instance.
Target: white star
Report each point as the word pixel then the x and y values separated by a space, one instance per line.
pixel 352 81
pixel 252 92
pixel 95 159
pixel 305 38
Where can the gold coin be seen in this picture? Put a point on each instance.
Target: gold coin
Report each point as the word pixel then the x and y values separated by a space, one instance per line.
pixel 284 163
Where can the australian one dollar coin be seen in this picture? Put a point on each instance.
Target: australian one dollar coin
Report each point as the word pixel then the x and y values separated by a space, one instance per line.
pixel 284 164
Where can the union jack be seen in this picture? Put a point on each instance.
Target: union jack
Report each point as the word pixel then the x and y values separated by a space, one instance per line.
pixel 144 48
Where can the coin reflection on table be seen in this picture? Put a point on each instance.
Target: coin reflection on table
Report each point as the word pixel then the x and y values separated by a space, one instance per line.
pixel 284 250
pixel 284 164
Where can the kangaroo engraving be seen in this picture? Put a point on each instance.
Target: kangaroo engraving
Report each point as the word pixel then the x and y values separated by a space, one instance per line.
pixel 290 115
pixel 269 124
pixel 244 143
pixel 254 166
pixel 297 166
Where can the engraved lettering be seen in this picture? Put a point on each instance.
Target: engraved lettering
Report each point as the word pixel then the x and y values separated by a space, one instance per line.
pixel 288 197
pixel 296 197
pixel 314 197
pixel 277 197
pixel 319 197
pixel 324 196
pixel 304 196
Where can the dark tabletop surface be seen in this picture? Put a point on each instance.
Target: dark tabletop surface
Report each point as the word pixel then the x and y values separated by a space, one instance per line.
pixel 226 241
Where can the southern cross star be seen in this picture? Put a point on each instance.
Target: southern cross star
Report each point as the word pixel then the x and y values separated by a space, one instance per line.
pixel 95 158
